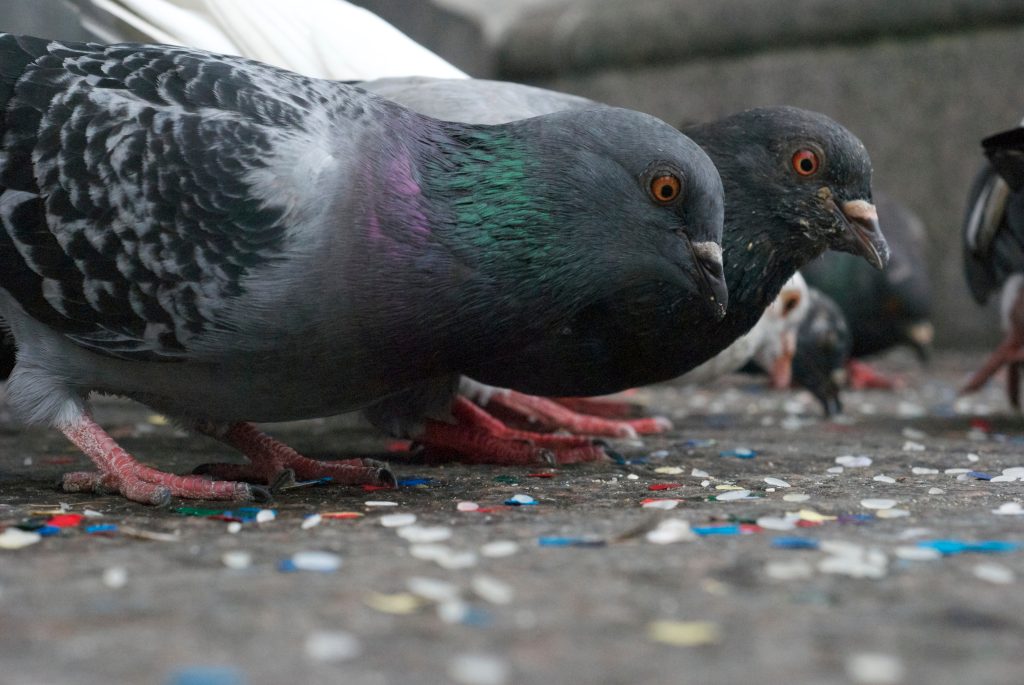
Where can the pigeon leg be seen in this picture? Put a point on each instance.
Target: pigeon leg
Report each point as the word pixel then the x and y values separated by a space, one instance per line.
pixel 550 415
pixel 271 457
pixel 1013 384
pixel 479 438
pixel 863 376
pixel 605 408
pixel 1008 351
pixel 119 471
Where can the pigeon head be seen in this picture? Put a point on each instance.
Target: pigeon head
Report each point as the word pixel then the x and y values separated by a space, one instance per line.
pixel 800 170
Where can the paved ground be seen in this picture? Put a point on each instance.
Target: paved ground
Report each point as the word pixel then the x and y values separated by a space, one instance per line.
pixel 117 608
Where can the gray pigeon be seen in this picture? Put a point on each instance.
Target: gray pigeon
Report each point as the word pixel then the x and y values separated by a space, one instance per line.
pixel 230 242
pixel 796 183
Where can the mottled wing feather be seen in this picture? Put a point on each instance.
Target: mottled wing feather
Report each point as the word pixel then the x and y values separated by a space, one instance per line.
pixel 128 216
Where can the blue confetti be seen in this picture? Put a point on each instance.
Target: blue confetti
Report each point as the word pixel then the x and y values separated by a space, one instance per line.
pixel 521 501
pixel 784 542
pixel 856 519
pixel 558 541
pixel 704 531
pixel 950 547
pixel 47 531
pixel 739 453
pixel 413 482
pixel 980 475
pixel 207 675
pixel 101 528
pixel 287 566
pixel 698 442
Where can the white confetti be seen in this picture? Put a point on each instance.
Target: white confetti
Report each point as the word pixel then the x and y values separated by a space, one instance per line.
pixel 522 499
pixel 881 478
pixel 234 527
pixel 911 446
pixel 971 457
pixel 499 548
pixel 875 668
pixel 777 482
pixel 332 646
pixel 444 556
pixel 397 520
pixel 425 534
pixel 892 513
pixel 936 491
pixel 478 669
pixel 236 559
pixel 910 410
pixel 15 538
pixel 379 503
pixel 311 521
pixel 321 562
pixel 854 461
pixel 661 504
pixel 953 472
pixel 923 471
pixel 432 589
pixel 1009 509
pixel 731 495
pixel 853 560
pixel 777 523
pixel 1014 472
pixel 632 476
pixel 834 469
pixel 994 573
pixel 92 513
pixel 670 531
pixel 490 589
pixel 669 470
pixel 265 515
pixel 115 577
pixel 698 473
pixel 909 553
pixel 878 503
pixel 467 506
pixel 914 434
pixel 796 497
pixel 788 570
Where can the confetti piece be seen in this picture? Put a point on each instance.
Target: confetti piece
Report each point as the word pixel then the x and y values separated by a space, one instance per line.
pixel 198 511
pixel 499 548
pixel 490 589
pixel 732 495
pixel 923 471
pixel 777 482
pixel 697 473
pixel 936 491
pixel 342 515
pixel 265 515
pixel 1009 509
pixel 545 474
pixel 684 633
pixel 311 521
pixel 65 520
pixel 717 529
pixel 379 503
pixel 669 531
pixel 520 501
pixel 115 577
pixel 794 543
pixel 150 534
pixel 813 516
pixel 234 527
pixel 101 528
pixel 425 534
pixel 796 497
pixel 664 504
pixel 207 675
pixel 236 559
pixel 994 573
pixel 854 461
pixel 444 556
pixel 908 553
pixel 956 471
pixel 414 482
pixel 478 669
pixel 776 523
pixel 1016 472
pixel 399 603
pixel 951 547
pixel 332 646
pixel 14 538
pixel 892 513
pixel 835 469
pixel 664 486
pixel 432 589
pixel 669 470
pixel 507 480
pixel 319 562
pixel 659 454
pixel 878 503
pixel 564 541
pixel 884 479
pixel 397 520
pixel 467 506
pixel 979 475
pixel 739 453
pixel 874 668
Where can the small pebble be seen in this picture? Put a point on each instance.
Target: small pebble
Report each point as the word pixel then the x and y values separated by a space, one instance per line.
pixel 875 668
pixel 237 559
pixel 397 520
pixel 115 577
pixel 878 503
pixel 499 548
pixel 332 646
pixel 884 479
pixel 994 573
pixel 478 669
pixel 777 482
pixel 796 497
pixel 854 461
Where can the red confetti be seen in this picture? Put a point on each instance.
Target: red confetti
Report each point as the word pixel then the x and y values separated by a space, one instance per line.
pixel 225 517
pixel 399 445
pixel 374 488
pixel 65 520
pixel 664 486
pixel 808 524
pixel 344 515
pixel 981 425
pixel 541 475
pixel 750 528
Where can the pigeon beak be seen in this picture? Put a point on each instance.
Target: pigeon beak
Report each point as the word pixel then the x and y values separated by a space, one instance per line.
pixel 708 258
pixel 863 236
pixel 782 367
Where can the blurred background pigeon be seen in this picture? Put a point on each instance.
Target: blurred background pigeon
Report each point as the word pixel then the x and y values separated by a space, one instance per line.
pixel 822 351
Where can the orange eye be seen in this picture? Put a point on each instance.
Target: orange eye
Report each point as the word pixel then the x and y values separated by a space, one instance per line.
pixel 665 189
pixel 805 162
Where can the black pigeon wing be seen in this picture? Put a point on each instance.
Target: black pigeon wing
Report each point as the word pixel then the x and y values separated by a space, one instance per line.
pixel 993 234
pixel 127 220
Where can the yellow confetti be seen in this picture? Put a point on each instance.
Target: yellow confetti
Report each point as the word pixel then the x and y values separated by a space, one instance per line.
pixel 398 603
pixel 157 420
pixel 811 515
pixel 670 470
pixel 728 487
pixel 684 633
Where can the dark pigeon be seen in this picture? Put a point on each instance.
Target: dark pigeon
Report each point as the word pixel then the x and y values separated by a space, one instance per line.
pixel 883 308
pixel 823 347
pixel 230 242
pixel 993 243
pixel 796 183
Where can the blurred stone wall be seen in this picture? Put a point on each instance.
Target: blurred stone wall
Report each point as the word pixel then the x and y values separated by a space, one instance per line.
pixel 920 81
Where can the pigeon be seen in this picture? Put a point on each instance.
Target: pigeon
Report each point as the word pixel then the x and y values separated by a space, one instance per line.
pixel 883 309
pixel 823 348
pixel 796 183
pixel 229 242
pixel 993 235
pixel 770 344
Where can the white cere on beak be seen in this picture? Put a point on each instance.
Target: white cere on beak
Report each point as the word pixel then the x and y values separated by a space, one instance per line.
pixel 860 209
pixel 708 251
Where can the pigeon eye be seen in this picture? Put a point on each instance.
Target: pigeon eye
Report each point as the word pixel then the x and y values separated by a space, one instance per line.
pixel 805 162
pixel 789 303
pixel 665 188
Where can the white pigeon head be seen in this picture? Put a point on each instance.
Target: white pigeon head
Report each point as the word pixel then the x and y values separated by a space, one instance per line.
pixel 780 323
